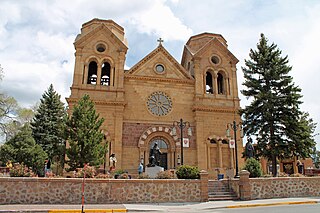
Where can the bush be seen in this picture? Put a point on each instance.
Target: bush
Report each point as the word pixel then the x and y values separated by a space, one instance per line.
pixel 104 176
pixel 297 175
pixel 143 176
pixel 283 174
pixel 165 175
pixel 253 166
pixel 90 172
pixel 124 176
pixel 20 170
pixel 188 172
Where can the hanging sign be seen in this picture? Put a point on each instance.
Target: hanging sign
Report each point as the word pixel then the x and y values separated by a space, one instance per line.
pixel 232 144
pixel 185 142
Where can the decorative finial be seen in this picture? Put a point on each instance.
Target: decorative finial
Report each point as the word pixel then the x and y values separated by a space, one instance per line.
pixel 160 41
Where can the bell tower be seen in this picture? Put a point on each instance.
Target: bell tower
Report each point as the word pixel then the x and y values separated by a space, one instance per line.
pixel 99 72
pixel 99 64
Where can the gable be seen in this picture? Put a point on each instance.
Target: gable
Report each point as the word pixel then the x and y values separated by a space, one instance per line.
pixel 147 67
pixel 98 32
pixel 217 45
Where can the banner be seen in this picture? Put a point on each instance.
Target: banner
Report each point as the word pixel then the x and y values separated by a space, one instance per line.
pixel 232 144
pixel 185 142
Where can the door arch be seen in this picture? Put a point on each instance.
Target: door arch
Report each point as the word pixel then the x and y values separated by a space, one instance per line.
pixel 163 133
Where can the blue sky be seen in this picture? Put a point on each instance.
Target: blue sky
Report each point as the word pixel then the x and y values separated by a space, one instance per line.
pixel 36 37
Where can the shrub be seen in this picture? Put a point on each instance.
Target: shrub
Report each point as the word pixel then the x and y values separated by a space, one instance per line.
pixel 143 176
pixel 297 175
pixel 89 170
pixel 165 175
pixel 253 166
pixel 104 176
pixel 124 176
pixel 283 174
pixel 20 170
pixel 188 172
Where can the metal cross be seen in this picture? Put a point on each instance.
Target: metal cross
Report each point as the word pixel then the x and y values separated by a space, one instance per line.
pixel 160 41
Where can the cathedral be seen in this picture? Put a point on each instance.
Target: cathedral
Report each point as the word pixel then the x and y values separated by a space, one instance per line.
pixel 184 108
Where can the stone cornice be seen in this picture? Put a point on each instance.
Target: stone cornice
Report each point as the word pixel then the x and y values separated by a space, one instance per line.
pixel 99 102
pixel 170 80
pixel 214 109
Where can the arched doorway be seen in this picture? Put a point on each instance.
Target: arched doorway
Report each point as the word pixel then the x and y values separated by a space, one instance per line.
pixel 163 145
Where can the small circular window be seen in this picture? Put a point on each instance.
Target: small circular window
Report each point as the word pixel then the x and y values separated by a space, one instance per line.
pixel 159 68
pixel 215 59
pixel 100 48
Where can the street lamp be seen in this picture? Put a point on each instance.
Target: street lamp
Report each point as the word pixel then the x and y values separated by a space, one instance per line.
pixel 234 126
pixel 181 124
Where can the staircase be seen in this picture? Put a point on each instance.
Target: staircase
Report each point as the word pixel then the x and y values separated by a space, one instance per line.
pixel 219 190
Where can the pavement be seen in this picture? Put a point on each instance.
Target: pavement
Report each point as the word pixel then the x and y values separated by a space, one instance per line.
pixel 157 207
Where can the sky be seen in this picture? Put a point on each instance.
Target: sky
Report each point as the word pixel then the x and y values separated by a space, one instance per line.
pixel 36 38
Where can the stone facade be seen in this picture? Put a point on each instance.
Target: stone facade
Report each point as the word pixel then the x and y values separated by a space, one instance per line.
pixel 99 191
pixel 141 104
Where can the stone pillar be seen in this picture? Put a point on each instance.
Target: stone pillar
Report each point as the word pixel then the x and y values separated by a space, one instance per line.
pixel 244 185
pixel 99 73
pixel 204 186
pixel 219 154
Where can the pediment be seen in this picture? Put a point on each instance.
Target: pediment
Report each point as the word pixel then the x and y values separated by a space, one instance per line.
pixel 215 44
pixel 147 67
pixel 98 32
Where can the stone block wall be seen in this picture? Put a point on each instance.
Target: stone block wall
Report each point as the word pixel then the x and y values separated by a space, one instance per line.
pixel 98 191
pixel 263 188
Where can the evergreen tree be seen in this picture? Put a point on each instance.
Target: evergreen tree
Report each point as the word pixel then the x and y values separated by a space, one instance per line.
pixel 273 116
pixel 22 148
pixel 84 135
pixel 48 125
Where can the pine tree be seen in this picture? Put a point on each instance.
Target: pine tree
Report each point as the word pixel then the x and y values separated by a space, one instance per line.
pixel 273 116
pixel 48 125
pixel 84 135
pixel 22 148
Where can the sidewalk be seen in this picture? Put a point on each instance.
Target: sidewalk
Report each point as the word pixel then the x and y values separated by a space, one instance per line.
pixel 161 207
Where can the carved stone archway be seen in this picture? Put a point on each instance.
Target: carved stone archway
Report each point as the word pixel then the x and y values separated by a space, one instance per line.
pixel 163 132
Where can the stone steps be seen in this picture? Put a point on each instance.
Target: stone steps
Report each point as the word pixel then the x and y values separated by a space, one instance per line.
pixel 218 190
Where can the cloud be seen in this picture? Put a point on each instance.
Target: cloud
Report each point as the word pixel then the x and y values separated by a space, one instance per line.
pixel 37 37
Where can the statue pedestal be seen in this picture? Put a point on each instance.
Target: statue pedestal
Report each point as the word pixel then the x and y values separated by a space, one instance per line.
pixel 153 171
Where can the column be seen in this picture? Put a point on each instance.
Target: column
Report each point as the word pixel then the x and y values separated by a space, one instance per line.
pixel 204 186
pixel 99 74
pixel 244 185
pixel 219 153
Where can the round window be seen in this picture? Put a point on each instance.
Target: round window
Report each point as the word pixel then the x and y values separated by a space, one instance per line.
pixel 215 59
pixel 159 68
pixel 159 103
pixel 100 48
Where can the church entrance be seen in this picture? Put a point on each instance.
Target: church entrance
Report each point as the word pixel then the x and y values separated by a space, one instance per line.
pixel 164 151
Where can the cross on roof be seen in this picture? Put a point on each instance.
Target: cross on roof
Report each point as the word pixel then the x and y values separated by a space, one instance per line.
pixel 160 40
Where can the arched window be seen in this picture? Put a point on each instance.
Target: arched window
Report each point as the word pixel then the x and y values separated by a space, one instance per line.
pixel 92 73
pixel 220 83
pixel 209 85
pixel 105 74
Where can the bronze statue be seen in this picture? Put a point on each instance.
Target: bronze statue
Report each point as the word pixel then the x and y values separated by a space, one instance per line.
pixel 154 159
pixel 249 149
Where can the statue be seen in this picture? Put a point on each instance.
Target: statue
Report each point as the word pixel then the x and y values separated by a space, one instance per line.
pixel 249 149
pixel 154 159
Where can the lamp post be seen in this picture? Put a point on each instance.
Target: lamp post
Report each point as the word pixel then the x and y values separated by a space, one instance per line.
pixel 234 126
pixel 181 124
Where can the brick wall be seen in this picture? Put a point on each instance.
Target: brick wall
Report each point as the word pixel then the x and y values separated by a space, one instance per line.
pixel 98 191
